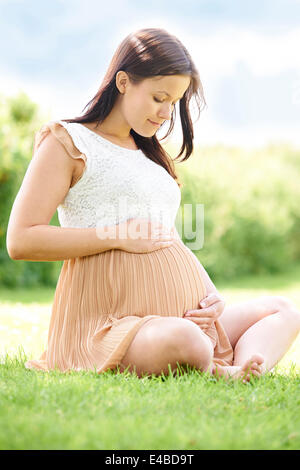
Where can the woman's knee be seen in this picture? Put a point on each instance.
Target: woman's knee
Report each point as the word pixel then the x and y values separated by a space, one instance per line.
pixel 169 340
pixel 193 344
pixel 179 335
pixel 288 309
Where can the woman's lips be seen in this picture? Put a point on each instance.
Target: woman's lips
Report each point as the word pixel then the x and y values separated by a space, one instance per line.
pixel 154 123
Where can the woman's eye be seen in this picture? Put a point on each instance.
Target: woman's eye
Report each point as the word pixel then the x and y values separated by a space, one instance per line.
pixel 157 101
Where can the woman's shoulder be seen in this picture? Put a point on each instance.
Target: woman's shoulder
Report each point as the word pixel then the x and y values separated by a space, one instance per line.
pixel 57 133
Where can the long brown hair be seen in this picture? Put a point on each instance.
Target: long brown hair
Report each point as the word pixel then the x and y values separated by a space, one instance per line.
pixel 146 53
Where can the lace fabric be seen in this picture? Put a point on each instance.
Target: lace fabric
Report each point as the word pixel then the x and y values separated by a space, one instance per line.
pixel 117 184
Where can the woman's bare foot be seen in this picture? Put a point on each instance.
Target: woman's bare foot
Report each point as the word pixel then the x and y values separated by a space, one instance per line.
pixel 252 367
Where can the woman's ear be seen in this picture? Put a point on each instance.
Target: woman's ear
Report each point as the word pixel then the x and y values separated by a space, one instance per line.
pixel 121 81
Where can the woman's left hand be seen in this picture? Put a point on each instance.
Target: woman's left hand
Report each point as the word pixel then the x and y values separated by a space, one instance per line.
pixel 211 307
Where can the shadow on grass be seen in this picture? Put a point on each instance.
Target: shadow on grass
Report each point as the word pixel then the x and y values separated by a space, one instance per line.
pixel 41 295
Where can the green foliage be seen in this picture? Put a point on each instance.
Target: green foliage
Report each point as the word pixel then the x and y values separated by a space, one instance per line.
pixel 251 208
pixel 21 109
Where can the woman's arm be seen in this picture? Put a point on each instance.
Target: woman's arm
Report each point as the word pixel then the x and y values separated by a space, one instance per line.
pixel 51 243
pixel 44 187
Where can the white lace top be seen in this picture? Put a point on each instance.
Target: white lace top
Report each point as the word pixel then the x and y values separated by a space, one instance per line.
pixel 117 184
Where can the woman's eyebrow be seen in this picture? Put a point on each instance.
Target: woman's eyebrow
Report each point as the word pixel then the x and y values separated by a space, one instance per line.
pixel 161 91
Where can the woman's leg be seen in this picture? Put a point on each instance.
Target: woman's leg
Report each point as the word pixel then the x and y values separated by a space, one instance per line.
pixel 267 325
pixel 168 340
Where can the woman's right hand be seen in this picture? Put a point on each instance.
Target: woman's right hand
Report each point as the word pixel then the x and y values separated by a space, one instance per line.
pixel 153 236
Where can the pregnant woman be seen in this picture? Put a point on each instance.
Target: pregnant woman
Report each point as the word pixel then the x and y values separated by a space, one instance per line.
pixel 121 300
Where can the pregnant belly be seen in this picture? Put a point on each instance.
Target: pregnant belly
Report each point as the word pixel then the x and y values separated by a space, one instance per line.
pixel 163 282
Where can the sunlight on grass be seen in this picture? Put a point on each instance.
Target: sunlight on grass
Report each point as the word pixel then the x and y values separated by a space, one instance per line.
pixel 25 325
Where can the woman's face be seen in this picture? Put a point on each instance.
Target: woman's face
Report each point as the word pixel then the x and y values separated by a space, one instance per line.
pixel 152 100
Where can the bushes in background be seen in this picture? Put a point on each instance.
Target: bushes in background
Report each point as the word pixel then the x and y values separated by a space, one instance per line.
pixel 251 208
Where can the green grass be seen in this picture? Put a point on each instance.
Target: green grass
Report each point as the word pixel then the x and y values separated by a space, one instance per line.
pixel 84 410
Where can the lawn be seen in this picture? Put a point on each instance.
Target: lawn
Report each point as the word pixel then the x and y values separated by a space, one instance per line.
pixel 84 410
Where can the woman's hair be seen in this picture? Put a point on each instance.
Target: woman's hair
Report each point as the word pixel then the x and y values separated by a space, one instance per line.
pixel 147 53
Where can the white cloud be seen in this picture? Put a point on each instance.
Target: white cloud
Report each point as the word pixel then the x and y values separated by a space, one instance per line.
pixel 217 53
pixel 57 102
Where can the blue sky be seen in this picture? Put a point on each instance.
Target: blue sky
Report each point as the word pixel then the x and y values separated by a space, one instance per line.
pixel 247 53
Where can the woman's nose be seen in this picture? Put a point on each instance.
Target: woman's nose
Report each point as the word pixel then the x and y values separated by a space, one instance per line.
pixel 166 112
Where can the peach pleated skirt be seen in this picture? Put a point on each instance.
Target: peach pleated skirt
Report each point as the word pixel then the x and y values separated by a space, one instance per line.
pixel 102 300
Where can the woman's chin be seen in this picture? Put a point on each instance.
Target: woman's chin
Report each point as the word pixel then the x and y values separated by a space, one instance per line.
pixel 145 133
